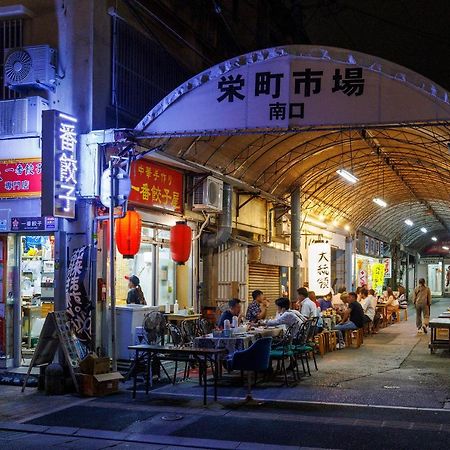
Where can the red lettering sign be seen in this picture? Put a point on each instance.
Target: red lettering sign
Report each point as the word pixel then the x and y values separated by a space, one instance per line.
pixel 156 185
pixel 20 178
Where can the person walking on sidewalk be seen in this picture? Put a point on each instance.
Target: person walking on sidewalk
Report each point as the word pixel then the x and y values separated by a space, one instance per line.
pixel 422 302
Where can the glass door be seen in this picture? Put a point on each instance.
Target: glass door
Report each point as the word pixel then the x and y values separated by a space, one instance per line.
pixel 166 277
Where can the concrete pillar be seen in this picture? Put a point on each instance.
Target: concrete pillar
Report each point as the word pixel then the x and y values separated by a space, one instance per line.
pixel 443 277
pixel 407 276
pixel 349 246
pixel 296 212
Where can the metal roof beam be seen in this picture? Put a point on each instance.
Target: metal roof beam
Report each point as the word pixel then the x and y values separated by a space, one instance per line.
pixel 372 142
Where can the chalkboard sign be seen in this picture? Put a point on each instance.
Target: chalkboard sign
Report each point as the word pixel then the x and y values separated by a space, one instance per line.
pixel 56 333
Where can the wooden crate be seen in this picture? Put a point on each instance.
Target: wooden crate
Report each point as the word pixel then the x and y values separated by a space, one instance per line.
pixel 99 385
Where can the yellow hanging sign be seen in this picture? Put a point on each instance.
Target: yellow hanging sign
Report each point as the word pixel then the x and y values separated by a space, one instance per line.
pixel 377 275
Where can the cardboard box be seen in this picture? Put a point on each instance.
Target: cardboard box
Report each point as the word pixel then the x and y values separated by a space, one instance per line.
pixel 93 365
pixel 99 385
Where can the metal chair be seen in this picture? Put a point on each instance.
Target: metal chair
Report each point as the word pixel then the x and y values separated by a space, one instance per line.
pixel 282 350
pixel 176 337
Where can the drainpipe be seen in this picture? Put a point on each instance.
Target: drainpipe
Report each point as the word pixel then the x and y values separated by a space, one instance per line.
pixel 224 231
pixel 296 223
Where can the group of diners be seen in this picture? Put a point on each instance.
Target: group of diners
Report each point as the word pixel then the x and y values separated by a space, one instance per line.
pixel 352 310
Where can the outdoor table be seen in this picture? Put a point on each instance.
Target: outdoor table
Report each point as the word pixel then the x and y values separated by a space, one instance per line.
pixel 445 315
pixel 384 311
pixel 231 344
pixel 267 331
pixel 172 317
pixel 440 334
pixel 202 355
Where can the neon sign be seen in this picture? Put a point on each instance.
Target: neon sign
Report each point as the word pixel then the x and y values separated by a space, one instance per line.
pixel 60 164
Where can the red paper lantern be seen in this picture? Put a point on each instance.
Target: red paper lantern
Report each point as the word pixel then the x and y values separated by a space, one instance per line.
pixel 128 234
pixel 180 242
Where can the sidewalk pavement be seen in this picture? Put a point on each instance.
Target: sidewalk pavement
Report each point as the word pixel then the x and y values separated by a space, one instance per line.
pixel 393 368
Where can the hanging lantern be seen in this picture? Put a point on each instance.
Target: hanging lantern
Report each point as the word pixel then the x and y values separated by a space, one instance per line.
pixel 180 242
pixel 128 234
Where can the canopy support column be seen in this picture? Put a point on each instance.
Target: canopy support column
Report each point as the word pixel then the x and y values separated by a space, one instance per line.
pixel 349 245
pixel 296 223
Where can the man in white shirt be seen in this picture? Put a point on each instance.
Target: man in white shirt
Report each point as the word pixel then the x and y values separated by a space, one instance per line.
pixel 306 306
pixel 368 305
pixel 286 316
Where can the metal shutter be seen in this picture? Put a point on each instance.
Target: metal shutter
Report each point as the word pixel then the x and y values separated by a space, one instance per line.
pixel 267 279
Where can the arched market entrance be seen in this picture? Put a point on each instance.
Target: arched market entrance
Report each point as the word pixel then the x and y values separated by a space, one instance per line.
pixel 291 116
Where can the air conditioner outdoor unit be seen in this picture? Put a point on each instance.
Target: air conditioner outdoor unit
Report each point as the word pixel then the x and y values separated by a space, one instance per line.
pixel 283 226
pixel 27 67
pixel 208 194
pixel 22 117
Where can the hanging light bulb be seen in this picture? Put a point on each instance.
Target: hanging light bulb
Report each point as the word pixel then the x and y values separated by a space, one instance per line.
pixel 409 222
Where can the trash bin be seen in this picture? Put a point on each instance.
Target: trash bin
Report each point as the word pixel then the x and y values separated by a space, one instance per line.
pixel 54 379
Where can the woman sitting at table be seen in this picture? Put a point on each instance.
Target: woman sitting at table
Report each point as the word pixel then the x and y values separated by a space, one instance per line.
pixel 392 303
pixel 285 315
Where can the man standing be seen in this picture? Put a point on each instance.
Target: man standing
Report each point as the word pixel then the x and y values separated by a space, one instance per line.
pixel 305 305
pixel 422 302
pixel 257 310
pixel 352 319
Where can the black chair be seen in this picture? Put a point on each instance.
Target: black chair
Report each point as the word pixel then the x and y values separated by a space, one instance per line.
pixel 176 337
pixel 310 341
pixel 282 350
pixel 256 358
pixel 300 346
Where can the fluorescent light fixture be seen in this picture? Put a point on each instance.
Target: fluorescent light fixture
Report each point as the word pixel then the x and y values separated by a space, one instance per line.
pixel 434 238
pixel 380 202
pixel 347 175
pixel 424 230
pixel 409 222
pixel 444 247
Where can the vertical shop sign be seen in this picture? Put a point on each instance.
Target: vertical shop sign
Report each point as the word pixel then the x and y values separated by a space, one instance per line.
pixel 20 178
pixel 377 276
pixel 157 186
pixel 366 245
pixel 387 267
pixel 78 304
pixel 60 164
pixel 319 267
pixel 381 248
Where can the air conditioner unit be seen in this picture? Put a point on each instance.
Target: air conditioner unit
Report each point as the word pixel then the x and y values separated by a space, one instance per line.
pixel 27 67
pixel 283 226
pixel 208 194
pixel 22 117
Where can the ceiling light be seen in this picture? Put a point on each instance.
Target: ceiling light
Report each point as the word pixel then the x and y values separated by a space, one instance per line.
pixel 444 247
pixel 347 175
pixel 347 227
pixel 409 222
pixel 423 230
pixel 380 202
pixel 434 238
pixel 335 223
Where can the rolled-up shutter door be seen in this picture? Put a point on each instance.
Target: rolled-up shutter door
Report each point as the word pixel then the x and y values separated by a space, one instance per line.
pixel 267 279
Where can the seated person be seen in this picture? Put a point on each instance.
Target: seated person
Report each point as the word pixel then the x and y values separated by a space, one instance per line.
pixel 306 306
pixel 337 302
pixel 257 310
pixel 285 316
pixel 234 309
pixel 353 317
pixel 368 306
pixel 325 303
pixel 402 300
pixel 392 303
